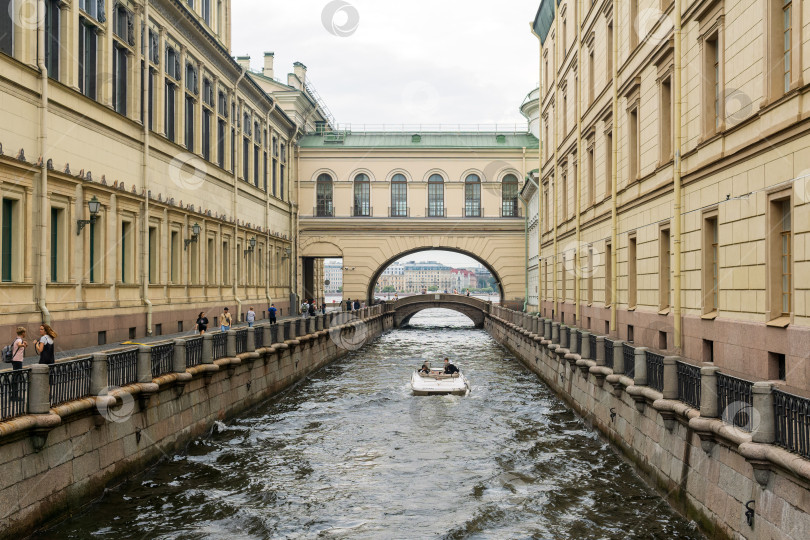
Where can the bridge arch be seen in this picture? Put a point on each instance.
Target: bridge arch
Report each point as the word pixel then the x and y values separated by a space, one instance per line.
pixel 474 308
pixel 376 275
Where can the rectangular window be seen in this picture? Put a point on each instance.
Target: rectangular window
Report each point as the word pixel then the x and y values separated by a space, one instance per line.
pixel 210 259
pixel 226 265
pixel 174 258
pixel 632 273
pixel 787 30
pixel 711 264
pixel 53 14
pixel 590 275
pixel 608 164
pixel 665 116
pixel 6 27
pixel 609 53
pixel 591 77
pixel 153 250
pixel 119 81
pixel 88 48
pixel 221 130
pixel 608 274
pixel 206 134
pixel 435 199
pixel 281 182
pixel 781 258
pixel 171 113
pixel 564 277
pixel 664 279
pixel 256 162
pixel 9 239
pixel 126 255
pixel 264 170
pixel 633 26
pixel 632 145
pixel 194 262
pixel 150 104
pixel 273 173
pixel 58 242
pixel 95 264
pixel 246 159
pixel 711 83
pixel 205 10
pixel 564 196
pixel 233 149
pixel 189 128
pixel 591 176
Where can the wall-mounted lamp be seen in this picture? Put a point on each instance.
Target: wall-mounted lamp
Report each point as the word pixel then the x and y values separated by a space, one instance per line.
pixel 94 205
pixel 287 252
pixel 195 230
pixel 252 246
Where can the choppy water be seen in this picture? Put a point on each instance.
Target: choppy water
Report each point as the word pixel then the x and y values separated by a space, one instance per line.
pixel 350 453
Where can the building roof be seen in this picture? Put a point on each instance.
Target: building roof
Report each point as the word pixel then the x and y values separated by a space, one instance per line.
pixel 544 18
pixel 434 139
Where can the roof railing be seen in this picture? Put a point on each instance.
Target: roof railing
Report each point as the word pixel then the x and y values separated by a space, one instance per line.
pixel 398 129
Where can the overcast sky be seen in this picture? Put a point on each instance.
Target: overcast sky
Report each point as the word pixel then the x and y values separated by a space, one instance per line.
pixel 449 258
pixel 421 61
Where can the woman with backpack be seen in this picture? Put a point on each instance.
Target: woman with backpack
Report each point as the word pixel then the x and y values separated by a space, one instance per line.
pixel 18 349
pixel 44 346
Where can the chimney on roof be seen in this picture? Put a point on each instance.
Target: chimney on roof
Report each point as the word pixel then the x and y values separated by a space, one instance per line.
pixel 268 65
pixel 243 61
pixel 300 73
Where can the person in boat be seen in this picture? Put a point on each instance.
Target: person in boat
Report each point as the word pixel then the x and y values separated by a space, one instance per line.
pixel 425 369
pixel 449 369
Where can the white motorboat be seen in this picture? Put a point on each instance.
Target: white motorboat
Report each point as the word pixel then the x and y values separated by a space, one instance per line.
pixel 436 383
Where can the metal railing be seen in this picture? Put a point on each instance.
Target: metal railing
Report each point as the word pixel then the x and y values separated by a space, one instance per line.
pixel 258 337
pixel 194 347
pixel 13 393
pixel 398 129
pixel 69 380
pixel 220 345
pixel 609 361
pixel 792 422
pixel 511 212
pixel 735 400
pixel 399 211
pixel 122 367
pixel 436 212
pixel 579 343
pixel 323 211
pixel 629 353
pixel 655 370
pixel 241 340
pixel 472 212
pixel 688 383
pixel 162 357
pixel 361 211
pixel 592 342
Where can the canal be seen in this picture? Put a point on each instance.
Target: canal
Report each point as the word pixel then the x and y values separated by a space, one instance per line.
pixel 349 453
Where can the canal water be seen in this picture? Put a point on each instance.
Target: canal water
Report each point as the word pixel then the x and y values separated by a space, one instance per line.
pixel 349 453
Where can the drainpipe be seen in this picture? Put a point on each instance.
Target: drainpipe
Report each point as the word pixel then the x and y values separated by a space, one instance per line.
pixel 42 194
pixel 614 219
pixel 235 263
pixel 677 175
pixel 145 179
pixel 578 179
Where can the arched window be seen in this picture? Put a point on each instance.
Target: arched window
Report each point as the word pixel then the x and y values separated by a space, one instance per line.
pixel 399 196
pixel 435 196
pixel 362 196
pixel 509 191
pixel 323 197
pixel 472 196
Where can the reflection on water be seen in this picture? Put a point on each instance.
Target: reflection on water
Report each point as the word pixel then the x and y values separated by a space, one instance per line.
pixel 350 453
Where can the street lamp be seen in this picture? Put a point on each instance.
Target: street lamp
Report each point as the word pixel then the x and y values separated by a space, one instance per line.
pixel 94 205
pixel 252 243
pixel 195 230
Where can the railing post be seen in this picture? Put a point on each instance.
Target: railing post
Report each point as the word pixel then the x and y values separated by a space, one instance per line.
pixel 144 369
pixel 546 329
pixel 99 374
pixel 208 349
pixel 39 390
pixel 565 337
pixel 586 352
pixel 765 431
pixel 600 351
pixel 671 377
pixel 573 342
pixel 708 392
pixel 618 357
pixel 251 339
pixel 179 356
pixel 640 378
pixel 555 332
pixel 268 335
pixel 230 344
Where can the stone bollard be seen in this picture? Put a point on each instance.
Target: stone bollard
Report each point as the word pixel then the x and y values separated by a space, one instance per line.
pixel 319 326
pixel 144 369
pixel 251 339
pixel 555 332
pixel 573 342
pixel 618 357
pixel 268 335
pixel 600 352
pixel 640 378
pixel 547 329
pixel 208 349
pixel 99 374
pixel 565 337
pixel 536 325
pixel 179 365
pixel 230 344
pixel 39 389
pixel 585 353
pixel 670 390
pixel 764 431
pixel 708 392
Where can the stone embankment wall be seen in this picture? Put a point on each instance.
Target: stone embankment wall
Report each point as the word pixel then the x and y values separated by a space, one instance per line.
pixel 707 469
pixel 54 462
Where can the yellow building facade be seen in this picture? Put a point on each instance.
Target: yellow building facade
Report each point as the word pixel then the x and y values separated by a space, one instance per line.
pixel 672 198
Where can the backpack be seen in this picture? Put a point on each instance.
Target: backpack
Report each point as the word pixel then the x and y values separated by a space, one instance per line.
pixel 7 353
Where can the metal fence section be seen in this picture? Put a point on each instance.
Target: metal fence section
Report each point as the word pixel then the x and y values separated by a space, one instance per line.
pixel 69 380
pixel 655 370
pixel 592 342
pixel 220 345
pixel 241 340
pixel 735 400
pixel 688 383
pixel 122 367
pixel 258 337
pixel 162 359
pixel 13 393
pixel 792 419
pixel 608 352
pixel 194 348
pixel 629 353
pixel 579 342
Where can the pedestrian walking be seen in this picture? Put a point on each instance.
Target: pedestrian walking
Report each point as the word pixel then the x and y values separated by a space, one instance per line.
pixel 312 309
pixel 225 321
pixel 202 323
pixel 272 312
pixel 356 305
pixel 45 345
pixel 348 304
pixel 250 317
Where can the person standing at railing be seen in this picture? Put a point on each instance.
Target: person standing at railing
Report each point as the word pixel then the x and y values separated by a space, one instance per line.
pixel 250 317
pixel 18 349
pixel 225 321
pixel 202 323
pixel 45 344
pixel 272 311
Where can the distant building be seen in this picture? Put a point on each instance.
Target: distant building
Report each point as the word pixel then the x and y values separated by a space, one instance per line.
pixel 333 273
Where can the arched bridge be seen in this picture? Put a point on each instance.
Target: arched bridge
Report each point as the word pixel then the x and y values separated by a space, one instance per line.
pixel 405 308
